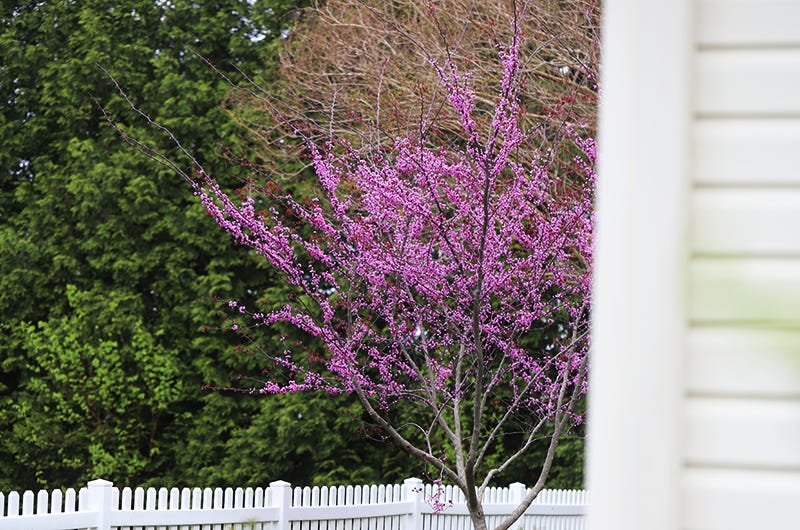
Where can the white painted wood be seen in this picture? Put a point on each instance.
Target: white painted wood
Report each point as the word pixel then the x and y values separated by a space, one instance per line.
pixel 746 152
pixel 42 502
pixel 368 507
pixel 60 521
pixel 125 503
pixel 746 221
pixel 208 499
pixel 743 433
pixel 745 290
pixel 740 361
pixel 56 502
pixel 70 501
pixel 748 22
pixel 192 517
pixel 186 499
pixel 138 499
pixel 635 430
pixel 174 499
pixel 718 499
pixel 83 499
pixel 27 503
pixel 218 498
pixel 749 82
pixel 12 506
pixel 197 504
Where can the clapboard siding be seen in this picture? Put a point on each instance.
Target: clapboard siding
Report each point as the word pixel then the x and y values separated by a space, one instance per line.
pixel 742 405
pixel 746 222
pixel 748 22
pixel 737 342
pixel 747 82
pixel 746 152
pixel 717 499
pixel 727 361
pixel 743 433
pixel 747 290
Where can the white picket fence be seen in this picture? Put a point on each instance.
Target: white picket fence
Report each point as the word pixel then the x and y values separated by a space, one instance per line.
pixel 409 506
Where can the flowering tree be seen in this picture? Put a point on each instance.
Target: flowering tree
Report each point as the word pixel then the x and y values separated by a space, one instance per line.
pixel 449 284
pixel 426 273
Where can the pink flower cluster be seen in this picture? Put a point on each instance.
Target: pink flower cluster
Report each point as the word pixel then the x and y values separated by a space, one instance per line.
pixel 432 269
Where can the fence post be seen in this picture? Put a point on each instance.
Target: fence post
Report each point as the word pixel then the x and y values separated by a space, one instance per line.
pixel 412 491
pixel 281 493
pixel 100 502
pixel 516 493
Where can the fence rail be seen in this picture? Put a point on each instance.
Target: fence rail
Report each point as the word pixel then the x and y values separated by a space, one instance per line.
pixel 408 506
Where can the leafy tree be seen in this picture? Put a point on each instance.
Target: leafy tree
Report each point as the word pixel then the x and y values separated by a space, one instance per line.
pixel 428 273
pixel 111 384
pixel 362 68
pixel 108 271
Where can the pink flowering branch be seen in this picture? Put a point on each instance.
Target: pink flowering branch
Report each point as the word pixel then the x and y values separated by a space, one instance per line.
pixel 428 267
pixel 427 273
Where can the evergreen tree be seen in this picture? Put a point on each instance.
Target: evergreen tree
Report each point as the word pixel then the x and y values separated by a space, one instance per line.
pixel 109 269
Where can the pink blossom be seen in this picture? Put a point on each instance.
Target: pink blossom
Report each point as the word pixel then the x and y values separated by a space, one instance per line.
pixel 435 275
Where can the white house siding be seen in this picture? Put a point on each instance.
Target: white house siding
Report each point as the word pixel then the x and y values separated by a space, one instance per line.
pixel 742 431
pixel 694 407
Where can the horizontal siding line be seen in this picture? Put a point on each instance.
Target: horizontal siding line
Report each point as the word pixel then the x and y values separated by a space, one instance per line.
pixel 732 472
pixel 706 324
pixel 712 116
pixel 748 396
pixel 705 185
pixel 744 46
pixel 750 258
pixel 754 324
pixel 743 115
pixel 766 469
pixel 740 255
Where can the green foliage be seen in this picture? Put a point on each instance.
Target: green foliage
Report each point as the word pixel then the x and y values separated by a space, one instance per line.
pixel 107 265
pixel 304 439
pixel 98 370
pixel 110 271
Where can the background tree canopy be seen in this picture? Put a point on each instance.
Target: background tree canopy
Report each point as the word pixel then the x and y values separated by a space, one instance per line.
pixel 111 272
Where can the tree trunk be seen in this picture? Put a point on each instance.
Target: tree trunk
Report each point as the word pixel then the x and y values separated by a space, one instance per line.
pixel 477 516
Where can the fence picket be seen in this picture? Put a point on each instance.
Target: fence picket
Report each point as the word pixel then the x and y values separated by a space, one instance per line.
pixel 349 500
pixel 41 502
pixel 315 501
pixel 248 497
pixel 56 498
pixel 259 500
pixel 27 503
pixel 69 500
pixel 138 499
pixel 13 504
pixel 323 496
pixel 126 500
pixel 196 503
pixel 162 502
